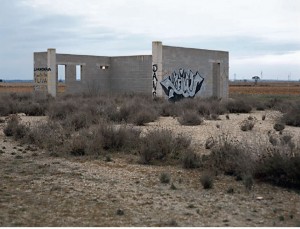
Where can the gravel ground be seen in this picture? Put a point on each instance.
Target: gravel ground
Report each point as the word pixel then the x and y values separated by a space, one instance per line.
pixel 39 190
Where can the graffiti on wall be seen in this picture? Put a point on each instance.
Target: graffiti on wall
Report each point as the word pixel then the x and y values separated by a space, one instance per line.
pixel 41 79
pixel 182 84
pixel 154 79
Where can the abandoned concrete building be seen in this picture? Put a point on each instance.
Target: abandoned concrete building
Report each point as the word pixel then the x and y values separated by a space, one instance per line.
pixel 170 72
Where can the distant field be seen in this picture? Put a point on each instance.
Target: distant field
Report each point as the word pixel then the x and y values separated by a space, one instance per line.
pixel 264 88
pixel 23 87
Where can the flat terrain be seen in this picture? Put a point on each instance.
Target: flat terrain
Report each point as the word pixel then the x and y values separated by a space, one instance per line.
pixel 37 189
pixel 265 88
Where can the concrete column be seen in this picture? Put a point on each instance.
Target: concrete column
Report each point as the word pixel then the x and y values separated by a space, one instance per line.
pixel 52 75
pixel 157 69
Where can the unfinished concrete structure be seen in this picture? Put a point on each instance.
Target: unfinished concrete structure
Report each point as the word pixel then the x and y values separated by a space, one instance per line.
pixel 170 72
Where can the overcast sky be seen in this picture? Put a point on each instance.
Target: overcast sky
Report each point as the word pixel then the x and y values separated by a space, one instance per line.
pixel 260 35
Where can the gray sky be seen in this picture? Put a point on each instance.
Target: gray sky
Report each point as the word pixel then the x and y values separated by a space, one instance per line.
pixel 261 35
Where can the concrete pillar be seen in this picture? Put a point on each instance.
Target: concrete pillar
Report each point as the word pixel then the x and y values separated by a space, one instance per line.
pixel 52 75
pixel 157 68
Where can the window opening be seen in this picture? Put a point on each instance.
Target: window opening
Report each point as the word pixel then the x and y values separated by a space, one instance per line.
pixel 61 73
pixel 103 67
pixel 78 72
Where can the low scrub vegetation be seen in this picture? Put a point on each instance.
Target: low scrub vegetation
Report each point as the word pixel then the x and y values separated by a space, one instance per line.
pixel 81 125
pixel 190 118
pixel 278 164
pixel 292 117
pixel 206 180
pixel 238 106
pixel 161 147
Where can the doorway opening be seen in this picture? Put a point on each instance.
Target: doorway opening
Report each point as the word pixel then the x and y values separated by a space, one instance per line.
pixel 216 80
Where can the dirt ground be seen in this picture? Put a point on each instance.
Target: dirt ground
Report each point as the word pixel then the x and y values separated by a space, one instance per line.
pixel 37 189
pixel 265 88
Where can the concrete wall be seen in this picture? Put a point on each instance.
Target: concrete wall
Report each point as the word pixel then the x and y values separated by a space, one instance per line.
pixel 181 65
pixel 131 74
pixel 40 72
pixel 170 72
pixel 93 78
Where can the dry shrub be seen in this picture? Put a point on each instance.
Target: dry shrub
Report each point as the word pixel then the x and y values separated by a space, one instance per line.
pixel 137 111
pixel 206 180
pixel 144 116
pixel 279 166
pixel 168 108
pixel 78 146
pixel 191 160
pixel 50 136
pixel 22 103
pixel 118 138
pixel 60 109
pixel 165 178
pixel 247 125
pixel 106 137
pixel 279 126
pixel 162 147
pixel 292 117
pixel 238 106
pixel 15 129
pixel 230 156
pixel 190 118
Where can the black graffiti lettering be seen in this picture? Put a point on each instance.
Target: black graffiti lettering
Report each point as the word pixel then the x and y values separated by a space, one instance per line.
pixel 154 67
pixel 40 80
pixel 182 85
pixel 43 69
pixel 154 79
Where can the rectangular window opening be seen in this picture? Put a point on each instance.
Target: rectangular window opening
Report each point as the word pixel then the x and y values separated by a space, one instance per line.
pixel 61 73
pixel 104 67
pixel 78 72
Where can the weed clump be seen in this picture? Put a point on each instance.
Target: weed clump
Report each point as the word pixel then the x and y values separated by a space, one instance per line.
pixel 191 160
pixel 206 180
pixel 230 156
pixel 247 125
pixel 279 166
pixel 292 117
pixel 162 147
pixel 238 106
pixel 190 118
pixel 279 126
pixel 165 178
pixel 15 129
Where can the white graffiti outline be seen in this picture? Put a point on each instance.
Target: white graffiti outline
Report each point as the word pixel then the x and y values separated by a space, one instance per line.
pixel 183 84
